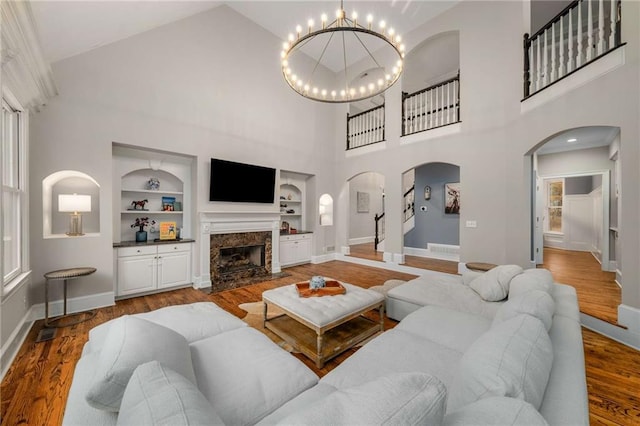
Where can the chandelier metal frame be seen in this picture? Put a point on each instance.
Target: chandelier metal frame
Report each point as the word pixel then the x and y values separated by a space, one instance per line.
pixel 341 25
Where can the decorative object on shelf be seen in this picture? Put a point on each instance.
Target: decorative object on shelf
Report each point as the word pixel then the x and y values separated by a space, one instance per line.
pixel 141 223
pixel 291 211
pixel 168 204
pixel 452 198
pixel 153 184
pixel 362 199
pixel 139 205
pixel 289 197
pixel 284 227
pixel 177 206
pixel 317 282
pixel 168 231
pixel 427 192
pixel 74 204
pixel 352 40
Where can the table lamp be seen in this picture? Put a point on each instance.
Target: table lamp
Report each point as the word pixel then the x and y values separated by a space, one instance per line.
pixel 74 204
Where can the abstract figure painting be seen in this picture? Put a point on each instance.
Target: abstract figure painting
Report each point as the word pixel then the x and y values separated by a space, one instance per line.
pixel 452 198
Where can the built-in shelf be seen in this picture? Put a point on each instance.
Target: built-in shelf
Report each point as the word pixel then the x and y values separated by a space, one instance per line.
pixel 153 191
pixel 150 212
pixel 290 214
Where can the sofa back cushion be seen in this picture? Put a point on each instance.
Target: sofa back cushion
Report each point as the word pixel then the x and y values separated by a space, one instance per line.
pixel 531 279
pixel 536 303
pixel 397 399
pixel 157 395
pixel 496 411
pixel 493 285
pixel 512 359
pixel 130 342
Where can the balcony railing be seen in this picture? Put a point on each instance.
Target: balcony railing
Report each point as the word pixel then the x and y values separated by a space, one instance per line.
pixel 435 106
pixel 580 34
pixel 379 236
pixel 409 203
pixel 365 128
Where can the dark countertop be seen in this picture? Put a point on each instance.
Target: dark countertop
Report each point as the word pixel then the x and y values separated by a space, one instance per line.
pixel 151 243
pixel 299 232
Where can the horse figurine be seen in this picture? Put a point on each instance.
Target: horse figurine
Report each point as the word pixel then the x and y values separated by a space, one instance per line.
pixel 140 204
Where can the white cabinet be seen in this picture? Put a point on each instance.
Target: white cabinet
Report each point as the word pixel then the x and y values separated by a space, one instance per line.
pixel 295 249
pixel 149 268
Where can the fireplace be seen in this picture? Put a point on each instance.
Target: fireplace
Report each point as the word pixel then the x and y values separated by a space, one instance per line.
pixel 237 257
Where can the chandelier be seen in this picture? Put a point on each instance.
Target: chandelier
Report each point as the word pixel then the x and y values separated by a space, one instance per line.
pixel 354 62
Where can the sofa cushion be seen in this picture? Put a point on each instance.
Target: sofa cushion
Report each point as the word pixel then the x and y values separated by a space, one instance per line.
pixel 195 321
pixel 469 275
pixel 536 303
pixel 245 365
pixel 531 279
pixel 130 342
pixel 157 395
pixel 496 411
pixel 453 329
pixel 493 285
pixel 513 359
pixel 398 399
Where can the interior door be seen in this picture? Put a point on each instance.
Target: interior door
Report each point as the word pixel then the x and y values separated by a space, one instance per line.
pixel 538 220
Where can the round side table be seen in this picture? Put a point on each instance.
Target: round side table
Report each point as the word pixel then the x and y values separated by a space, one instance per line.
pixel 65 275
pixel 480 266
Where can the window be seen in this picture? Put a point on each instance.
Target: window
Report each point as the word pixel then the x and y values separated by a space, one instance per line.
pixel 12 192
pixel 555 194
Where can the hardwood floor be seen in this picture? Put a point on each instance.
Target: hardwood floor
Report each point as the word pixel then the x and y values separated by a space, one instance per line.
pixel 598 294
pixel 35 388
pixel 367 251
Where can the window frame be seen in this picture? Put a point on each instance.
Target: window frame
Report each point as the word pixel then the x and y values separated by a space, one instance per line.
pixel 19 275
pixel 548 206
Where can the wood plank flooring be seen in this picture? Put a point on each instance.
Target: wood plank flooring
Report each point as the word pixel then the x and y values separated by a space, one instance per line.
pixel 367 251
pixel 35 388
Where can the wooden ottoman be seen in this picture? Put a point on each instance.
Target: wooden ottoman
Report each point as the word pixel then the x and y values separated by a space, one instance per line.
pixel 323 327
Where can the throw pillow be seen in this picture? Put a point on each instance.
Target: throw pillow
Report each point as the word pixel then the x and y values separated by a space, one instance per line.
pixel 531 279
pixel 493 285
pixel 537 303
pixel 402 399
pixel 130 342
pixel 512 359
pixel 469 275
pixel 496 411
pixel 157 395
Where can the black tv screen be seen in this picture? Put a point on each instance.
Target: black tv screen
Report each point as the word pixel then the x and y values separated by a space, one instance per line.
pixel 241 183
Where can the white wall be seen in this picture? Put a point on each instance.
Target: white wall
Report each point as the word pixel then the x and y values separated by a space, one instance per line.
pixel 189 87
pixel 362 225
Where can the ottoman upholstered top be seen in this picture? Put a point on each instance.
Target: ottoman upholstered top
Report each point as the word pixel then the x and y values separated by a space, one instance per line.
pixel 322 310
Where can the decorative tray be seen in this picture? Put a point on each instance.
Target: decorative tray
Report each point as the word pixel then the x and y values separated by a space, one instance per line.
pixel 331 288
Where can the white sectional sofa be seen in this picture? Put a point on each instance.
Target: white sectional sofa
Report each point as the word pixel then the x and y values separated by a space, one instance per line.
pixel 522 365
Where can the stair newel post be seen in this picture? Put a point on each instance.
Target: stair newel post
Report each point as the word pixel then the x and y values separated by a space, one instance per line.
pixel 347 131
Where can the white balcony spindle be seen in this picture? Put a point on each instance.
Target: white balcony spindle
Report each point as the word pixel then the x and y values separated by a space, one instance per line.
pixel 601 37
pixel 552 71
pixel 570 60
pixel 423 101
pixel 413 114
pixel 429 121
pixel 579 57
pixel 448 103
pixel 561 46
pixel 545 60
pixel 612 23
pixel 589 30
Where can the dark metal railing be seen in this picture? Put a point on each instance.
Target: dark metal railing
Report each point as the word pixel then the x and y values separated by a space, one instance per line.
pixel 580 34
pixel 379 230
pixel 435 106
pixel 365 128
pixel 409 203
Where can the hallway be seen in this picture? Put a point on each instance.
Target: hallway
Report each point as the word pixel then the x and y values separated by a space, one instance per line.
pixel 598 294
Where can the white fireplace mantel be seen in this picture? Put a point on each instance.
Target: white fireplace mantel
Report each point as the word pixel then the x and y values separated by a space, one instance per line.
pixel 235 222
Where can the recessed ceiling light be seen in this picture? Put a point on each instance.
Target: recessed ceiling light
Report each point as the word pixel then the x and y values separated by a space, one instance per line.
pixel 572 140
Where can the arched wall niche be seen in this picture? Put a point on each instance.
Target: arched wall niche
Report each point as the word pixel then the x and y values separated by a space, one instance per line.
pixel 56 224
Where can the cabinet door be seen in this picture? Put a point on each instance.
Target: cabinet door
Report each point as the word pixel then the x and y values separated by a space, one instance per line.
pixel 174 269
pixel 288 251
pixel 136 274
pixel 303 253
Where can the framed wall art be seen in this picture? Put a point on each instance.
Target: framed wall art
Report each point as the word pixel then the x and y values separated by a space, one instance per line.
pixel 362 199
pixel 452 198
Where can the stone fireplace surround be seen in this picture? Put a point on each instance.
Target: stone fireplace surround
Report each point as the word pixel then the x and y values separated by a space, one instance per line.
pixel 219 223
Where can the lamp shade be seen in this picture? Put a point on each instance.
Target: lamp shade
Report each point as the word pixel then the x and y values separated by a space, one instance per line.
pixel 74 203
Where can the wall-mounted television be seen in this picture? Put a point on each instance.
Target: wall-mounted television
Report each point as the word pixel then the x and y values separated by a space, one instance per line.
pixel 241 183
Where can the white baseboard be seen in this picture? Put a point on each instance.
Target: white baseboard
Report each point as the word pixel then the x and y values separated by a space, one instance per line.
pixel 323 258
pixel 14 342
pixel 618 277
pixel 345 250
pixel 625 336
pixel 361 240
pixel 436 251
pixel 76 304
pixel 630 318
